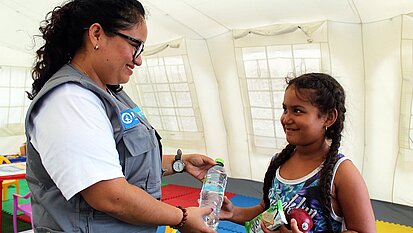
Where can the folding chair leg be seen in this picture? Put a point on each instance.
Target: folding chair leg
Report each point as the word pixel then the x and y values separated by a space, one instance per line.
pixel 5 190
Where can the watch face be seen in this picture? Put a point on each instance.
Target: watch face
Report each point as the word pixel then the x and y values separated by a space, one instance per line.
pixel 178 166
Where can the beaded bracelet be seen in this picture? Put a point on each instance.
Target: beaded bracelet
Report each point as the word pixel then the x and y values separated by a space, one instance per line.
pixel 183 220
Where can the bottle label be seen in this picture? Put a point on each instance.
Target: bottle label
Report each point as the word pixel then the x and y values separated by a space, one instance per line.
pixel 215 182
pixel 212 187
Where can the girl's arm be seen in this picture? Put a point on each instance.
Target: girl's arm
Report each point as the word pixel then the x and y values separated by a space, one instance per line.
pixel 353 199
pixel 240 215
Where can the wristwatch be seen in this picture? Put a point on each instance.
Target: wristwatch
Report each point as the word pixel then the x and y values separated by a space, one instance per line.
pixel 178 165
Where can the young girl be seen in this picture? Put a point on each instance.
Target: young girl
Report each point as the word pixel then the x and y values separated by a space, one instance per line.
pixel 310 173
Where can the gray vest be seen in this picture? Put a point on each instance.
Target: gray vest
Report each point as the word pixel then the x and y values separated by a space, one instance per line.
pixel 139 151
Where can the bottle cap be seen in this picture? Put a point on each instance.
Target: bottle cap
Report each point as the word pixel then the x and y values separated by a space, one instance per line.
pixel 220 161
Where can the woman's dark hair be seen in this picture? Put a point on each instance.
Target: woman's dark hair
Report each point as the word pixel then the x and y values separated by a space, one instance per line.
pixel 326 94
pixel 64 28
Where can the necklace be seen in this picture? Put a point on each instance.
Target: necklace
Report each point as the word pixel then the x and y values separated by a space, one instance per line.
pixel 79 68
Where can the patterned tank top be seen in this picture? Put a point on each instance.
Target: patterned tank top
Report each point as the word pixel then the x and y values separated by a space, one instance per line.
pixel 305 193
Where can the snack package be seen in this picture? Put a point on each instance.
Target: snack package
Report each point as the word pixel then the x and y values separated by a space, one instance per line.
pixel 272 218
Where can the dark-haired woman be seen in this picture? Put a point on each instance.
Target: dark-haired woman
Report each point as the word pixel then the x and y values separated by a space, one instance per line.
pixel 94 161
pixel 310 173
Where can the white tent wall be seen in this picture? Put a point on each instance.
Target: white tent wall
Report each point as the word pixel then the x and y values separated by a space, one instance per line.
pixel 209 98
pixel 221 49
pixel 347 67
pixel 11 144
pixel 383 75
pixel 373 61
pixel 12 57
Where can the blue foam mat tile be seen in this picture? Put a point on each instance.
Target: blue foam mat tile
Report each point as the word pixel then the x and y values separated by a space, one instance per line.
pixel 223 227
pixel 244 201
pixel 227 226
pixel 230 227
pixel 161 229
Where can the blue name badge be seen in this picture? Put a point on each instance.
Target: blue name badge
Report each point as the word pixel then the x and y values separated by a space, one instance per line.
pixel 138 111
pixel 129 118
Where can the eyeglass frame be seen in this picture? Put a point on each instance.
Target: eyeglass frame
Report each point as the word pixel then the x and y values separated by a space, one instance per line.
pixel 140 43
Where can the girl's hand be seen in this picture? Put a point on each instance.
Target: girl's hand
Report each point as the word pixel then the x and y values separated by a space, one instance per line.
pixel 227 209
pixel 284 229
pixel 265 229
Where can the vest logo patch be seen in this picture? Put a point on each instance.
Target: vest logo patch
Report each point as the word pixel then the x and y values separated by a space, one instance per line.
pixel 129 118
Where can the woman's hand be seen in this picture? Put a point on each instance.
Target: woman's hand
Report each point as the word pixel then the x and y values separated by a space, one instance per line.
pixel 197 165
pixel 195 223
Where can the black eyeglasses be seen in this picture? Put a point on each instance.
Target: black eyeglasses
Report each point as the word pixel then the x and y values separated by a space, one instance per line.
pixel 138 44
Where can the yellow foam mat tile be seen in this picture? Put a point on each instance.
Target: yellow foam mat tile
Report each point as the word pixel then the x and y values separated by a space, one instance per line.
pixel 387 227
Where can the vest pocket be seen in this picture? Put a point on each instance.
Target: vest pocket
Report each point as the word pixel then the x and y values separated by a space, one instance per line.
pixel 140 144
pixel 138 140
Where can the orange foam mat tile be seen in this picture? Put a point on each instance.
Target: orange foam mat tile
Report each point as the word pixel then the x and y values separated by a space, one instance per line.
pixel 387 227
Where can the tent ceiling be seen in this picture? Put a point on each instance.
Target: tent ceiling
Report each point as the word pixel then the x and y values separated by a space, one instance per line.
pixel 200 19
pixel 206 19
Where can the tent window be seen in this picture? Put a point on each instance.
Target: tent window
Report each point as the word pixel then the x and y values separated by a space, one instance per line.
pixel 165 94
pixel 14 81
pixel 265 70
pixel 406 100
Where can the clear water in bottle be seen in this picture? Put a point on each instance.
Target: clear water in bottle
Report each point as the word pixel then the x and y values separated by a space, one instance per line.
pixel 212 193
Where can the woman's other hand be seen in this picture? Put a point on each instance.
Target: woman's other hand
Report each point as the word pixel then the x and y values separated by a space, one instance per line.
pixel 197 165
pixel 195 222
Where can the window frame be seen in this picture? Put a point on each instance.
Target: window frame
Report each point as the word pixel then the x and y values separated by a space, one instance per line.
pixel 261 143
pixel 186 138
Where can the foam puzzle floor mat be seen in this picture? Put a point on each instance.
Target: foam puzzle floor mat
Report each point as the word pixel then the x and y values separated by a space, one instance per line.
pixel 188 196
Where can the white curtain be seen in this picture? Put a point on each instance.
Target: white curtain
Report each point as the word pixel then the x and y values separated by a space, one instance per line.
pixel 279 29
pixel 154 49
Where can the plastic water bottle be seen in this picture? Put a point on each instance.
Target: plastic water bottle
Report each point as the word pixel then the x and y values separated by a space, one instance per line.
pixel 212 193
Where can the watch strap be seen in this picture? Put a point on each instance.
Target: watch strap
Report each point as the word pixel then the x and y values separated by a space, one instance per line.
pixel 178 155
pixel 178 162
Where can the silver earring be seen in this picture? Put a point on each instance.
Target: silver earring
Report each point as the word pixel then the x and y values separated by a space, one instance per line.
pixel 326 127
pixel 96 47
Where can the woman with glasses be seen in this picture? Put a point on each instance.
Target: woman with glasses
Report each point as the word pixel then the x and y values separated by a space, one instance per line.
pixel 94 161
